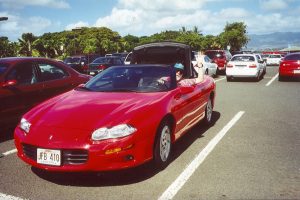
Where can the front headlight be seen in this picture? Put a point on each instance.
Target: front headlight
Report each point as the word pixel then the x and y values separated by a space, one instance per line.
pixel 121 130
pixel 25 125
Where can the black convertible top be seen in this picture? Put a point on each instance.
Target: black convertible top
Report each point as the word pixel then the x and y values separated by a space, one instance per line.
pixel 164 53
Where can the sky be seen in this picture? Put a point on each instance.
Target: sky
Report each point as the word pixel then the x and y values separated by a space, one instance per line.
pixel 146 17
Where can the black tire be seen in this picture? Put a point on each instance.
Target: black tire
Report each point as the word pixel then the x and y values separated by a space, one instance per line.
pixel 162 145
pixel 281 78
pixel 228 78
pixel 208 113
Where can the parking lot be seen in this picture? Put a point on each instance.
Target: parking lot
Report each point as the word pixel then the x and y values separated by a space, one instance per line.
pixel 250 152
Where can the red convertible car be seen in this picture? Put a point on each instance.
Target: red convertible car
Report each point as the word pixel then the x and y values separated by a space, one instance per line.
pixel 123 117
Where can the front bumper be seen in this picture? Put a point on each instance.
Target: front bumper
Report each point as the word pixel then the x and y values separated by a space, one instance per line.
pixel 132 153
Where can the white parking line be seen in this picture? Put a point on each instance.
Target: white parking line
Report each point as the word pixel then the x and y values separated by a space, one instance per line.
pixel 191 168
pixel 10 152
pixel 275 77
pixel 9 197
pixel 220 79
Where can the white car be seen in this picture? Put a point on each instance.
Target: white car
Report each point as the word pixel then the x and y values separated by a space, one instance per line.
pixel 245 65
pixel 209 67
pixel 274 59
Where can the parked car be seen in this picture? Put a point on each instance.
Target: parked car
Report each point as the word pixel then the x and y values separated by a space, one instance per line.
pixel 220 57
pixel 209 67
pixel 102 63
pixel 122 55
pixel 128 58
pixel 76 62
pixel 245 65
pixel 25 82
pixel 274 59
pixel 264 57
pixel 290 66
pixel 106 123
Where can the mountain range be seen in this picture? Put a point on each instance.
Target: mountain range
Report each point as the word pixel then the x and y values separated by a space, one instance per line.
pixel 277 40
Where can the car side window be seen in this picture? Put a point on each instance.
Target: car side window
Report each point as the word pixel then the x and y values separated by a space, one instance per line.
pixel 118 62
pixel 23 74
pixel 206 59
pixel 51 72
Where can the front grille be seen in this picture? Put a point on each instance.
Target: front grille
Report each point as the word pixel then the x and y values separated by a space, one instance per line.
pixel 74 157
pixel 30 151
pixel 69 156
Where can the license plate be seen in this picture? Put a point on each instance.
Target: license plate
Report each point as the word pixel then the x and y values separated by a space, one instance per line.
pixel 92 73
pixel 49 157
pixel 297 71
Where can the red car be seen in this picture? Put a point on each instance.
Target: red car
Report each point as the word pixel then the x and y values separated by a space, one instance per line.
pixel 289 66
pixel 123 117
pixel 220 57
pixel 25 82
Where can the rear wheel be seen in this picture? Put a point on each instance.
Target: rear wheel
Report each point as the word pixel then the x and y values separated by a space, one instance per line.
pixel 281 78
pixel 228 78
pixel 162 145
pixel 208 112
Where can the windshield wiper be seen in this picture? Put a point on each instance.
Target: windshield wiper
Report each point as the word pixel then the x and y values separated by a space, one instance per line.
pixel 122 90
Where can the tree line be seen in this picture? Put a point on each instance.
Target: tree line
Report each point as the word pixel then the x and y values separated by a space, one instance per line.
pixel 103 40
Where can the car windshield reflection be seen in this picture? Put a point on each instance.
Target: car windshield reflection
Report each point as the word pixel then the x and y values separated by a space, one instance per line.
pixel 132 79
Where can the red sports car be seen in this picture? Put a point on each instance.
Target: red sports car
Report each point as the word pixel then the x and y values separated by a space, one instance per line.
pixel 121 118
pixel 289 66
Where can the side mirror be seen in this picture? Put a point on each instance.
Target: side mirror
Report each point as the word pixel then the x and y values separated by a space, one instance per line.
pixel 186 89
pixel 9 83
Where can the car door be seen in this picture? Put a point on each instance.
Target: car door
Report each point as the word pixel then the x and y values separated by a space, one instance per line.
pixel 190 107
pixel 24 94
pixel 55 79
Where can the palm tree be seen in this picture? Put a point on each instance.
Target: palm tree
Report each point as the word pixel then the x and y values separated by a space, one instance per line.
pixel 26 43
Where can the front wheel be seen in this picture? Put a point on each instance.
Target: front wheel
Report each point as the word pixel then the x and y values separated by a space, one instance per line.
pixel 162 145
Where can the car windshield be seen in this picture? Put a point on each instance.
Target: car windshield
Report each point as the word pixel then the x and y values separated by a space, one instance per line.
pixel 101 60
pixel 214 54
pixel 72 60
pixel 3 68
pixel 265 55
pixel 275 56
pixel 243 58
pixel 132 79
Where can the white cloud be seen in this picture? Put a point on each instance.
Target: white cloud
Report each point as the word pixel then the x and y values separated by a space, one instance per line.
pixel 16 25
pixel 162 5
pixel 261 24
pixel 234 13
pixel 271 5
pixel 18 4
pixel 77 25
pixel 144 19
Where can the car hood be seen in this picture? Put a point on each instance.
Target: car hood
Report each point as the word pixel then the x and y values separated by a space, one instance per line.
pixel 83 110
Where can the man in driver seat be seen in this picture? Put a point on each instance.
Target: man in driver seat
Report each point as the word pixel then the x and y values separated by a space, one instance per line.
pixel 181 81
